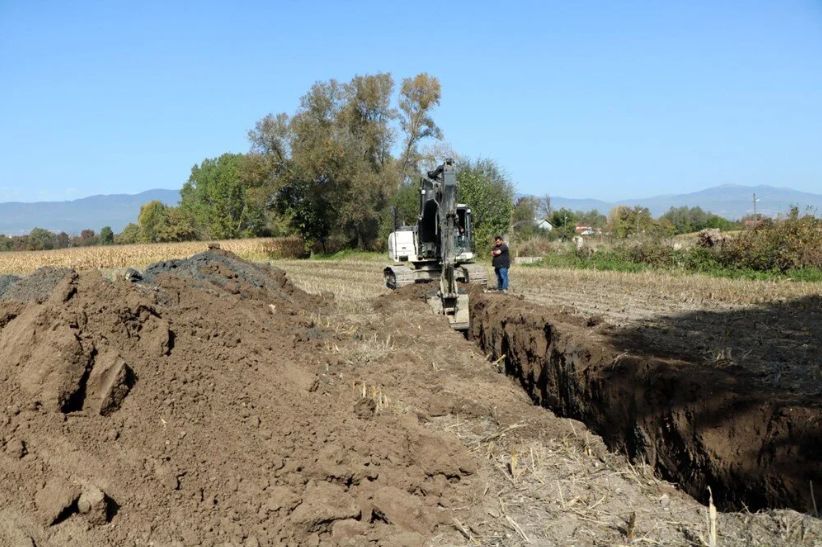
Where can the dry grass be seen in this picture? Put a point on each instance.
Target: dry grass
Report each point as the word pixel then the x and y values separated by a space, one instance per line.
pixel 626 296
pixel 353 282
pixel 631 295
pixel 693 287
pixel 615 295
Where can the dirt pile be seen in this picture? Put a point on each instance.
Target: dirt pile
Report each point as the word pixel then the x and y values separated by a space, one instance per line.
pixel 222 272
pixel 36 287
pixel 755 444
pixel 200 406
pixel 6 281
pixel 211 402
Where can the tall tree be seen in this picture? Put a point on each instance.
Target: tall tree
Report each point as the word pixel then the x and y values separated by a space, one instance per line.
pixel 418 97
pixel 314 189
pixel 484 186
pixel 630 221
pixel 106 235
pixel 365 124
pixel 40 239
pixel 152 216
pixel 524 216
pixel 564 222
pixel 544 207
pixel 341 175
pixel 216 197
pixel 130 234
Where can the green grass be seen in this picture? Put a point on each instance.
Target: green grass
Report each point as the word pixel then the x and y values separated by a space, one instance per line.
pixel 609 261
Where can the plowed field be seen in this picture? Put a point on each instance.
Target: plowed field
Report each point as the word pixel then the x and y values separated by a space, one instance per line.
pixel 217 402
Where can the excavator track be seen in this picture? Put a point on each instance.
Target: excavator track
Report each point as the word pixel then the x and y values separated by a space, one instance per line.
pixel 399 276
pixel 474 273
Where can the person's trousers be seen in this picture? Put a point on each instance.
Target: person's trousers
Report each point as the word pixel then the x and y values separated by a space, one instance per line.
pixel 502 278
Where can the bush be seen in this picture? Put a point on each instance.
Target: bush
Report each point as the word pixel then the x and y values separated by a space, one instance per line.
pixel 652 252
pixel 789 248
pixel 793 243
pixel 535 246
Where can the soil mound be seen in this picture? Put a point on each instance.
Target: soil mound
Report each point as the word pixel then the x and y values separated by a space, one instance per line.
pixel 6 281
pixel 224 271
pixel 34 288
pixel 196 407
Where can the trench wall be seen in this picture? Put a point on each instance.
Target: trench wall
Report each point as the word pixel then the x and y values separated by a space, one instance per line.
pixel 698 426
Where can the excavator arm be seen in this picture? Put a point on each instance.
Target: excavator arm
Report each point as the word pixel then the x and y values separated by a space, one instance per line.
pixel 448 300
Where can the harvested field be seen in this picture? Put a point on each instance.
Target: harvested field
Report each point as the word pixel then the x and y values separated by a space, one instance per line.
pixel 216 402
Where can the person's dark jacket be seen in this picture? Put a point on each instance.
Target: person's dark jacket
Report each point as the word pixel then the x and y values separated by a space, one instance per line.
pixel 502 260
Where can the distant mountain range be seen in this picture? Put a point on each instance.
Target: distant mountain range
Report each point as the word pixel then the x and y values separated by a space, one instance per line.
pixel 731 201
pixel 115 210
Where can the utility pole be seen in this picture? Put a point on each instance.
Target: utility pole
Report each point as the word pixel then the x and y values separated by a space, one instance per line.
pixel 754 202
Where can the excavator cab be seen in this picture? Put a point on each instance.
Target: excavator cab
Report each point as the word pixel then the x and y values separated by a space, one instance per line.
pixel 463 240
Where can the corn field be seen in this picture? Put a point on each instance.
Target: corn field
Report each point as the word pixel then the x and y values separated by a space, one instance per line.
pixel 138 255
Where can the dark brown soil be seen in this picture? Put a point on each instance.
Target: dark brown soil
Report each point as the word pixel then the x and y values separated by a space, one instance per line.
pixel 197 407
pixel 214 403
pixel 756 444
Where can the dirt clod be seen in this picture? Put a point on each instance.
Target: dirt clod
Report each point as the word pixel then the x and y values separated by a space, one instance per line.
pixel 397 507
pixel 108 384
pixel 56 500
pixel 94 504
pixel 16 448
pixel 365 408
pixel 323 504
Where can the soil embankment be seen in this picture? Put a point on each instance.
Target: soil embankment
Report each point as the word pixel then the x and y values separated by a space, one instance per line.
pixel 701 426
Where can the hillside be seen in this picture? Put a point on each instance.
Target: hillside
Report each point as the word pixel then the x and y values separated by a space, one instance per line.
pixel 115 210
pixel 731 201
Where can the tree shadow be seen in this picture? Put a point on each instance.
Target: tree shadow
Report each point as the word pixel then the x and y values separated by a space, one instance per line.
pixel 779 344
pixel 730 399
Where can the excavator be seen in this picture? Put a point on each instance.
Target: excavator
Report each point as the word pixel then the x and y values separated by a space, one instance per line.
pixel 438 246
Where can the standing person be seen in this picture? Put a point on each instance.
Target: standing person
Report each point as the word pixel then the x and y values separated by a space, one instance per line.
pixel 501 262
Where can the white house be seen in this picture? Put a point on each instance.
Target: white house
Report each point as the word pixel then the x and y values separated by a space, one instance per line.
pixel 543 224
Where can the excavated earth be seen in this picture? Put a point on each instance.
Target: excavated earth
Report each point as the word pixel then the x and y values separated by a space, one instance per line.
pixel 212 402
pixel 717 425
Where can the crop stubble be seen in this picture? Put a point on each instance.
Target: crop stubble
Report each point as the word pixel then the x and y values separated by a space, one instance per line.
pixel 457 445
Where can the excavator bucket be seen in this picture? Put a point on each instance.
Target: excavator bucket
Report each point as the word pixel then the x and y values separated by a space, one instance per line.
pixel 456 310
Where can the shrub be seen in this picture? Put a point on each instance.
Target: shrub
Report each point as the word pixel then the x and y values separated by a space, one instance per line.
pixel 534 246
pixel 793 243
pixel 652 252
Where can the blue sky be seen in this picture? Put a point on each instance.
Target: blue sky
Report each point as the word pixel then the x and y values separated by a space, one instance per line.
pixel 577 98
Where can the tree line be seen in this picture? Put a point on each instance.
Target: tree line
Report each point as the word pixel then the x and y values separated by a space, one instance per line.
pixel 621 222
pixel 339 172
pixel 40 239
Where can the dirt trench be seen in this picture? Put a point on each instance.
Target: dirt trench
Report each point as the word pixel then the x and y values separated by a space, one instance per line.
pixel 755 445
